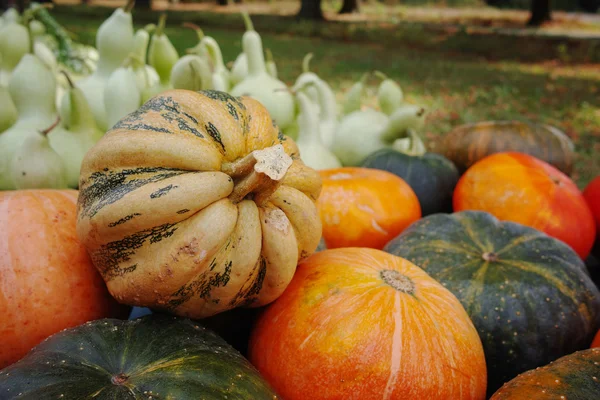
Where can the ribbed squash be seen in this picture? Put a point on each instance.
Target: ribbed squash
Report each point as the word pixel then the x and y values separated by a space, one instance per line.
pixel 196 204
pixel 573 377
pixel 467 144
pixel 527 293
pixel 153 357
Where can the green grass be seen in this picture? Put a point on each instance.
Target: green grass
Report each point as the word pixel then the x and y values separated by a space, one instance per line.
pixel 455 89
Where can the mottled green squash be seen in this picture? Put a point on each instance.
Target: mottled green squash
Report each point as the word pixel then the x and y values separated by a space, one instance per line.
pixel 573 377
pixel 528 294
pixel 153 357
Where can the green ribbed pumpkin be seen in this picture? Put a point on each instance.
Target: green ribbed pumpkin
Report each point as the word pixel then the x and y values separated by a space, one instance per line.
pixel 528 294
pixel 153 357
pixel 573 377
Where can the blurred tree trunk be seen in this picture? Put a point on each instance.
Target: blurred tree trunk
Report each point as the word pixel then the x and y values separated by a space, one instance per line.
pixel 143 4
pixel 349 7
pixel 310 9
pixel 540 12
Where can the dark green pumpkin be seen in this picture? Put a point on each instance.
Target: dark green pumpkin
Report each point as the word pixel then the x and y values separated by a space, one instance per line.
pixel 152 357
pixel 573 377
pixel 528 294
pixel 431 176
pixel 467 144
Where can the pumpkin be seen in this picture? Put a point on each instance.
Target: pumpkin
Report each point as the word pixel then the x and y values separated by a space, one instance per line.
pixel 527 293
pixel 431 176
pixel 363 207
pixel 467 144
pixel 153 357
pixel 520 188
pixel 196 204
pixel 596 341
pixel 591 194
pixel 357 323
pixel 572 377
pixel 48 281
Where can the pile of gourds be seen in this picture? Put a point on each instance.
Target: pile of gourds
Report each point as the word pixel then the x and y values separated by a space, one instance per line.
pixel 54 108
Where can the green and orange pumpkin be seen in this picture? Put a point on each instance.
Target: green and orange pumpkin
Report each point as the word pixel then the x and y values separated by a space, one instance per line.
pixel 528 294
pixel 572 377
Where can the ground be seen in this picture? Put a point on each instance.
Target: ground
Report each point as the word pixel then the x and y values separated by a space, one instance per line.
pixel 455 88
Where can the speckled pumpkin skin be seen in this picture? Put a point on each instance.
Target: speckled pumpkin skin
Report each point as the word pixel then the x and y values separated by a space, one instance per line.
pixel 153 357
pixel 527 293
pixel 573 377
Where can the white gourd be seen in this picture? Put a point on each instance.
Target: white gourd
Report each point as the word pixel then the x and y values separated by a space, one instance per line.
pixel 121 95
pixel 271 92
pixel 114 41
pixel 14 44
pixel 312 150
pixel 8 111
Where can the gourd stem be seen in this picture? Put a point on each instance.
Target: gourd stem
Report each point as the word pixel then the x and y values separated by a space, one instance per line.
pixel 306 62
pixel 196 28
pixel 262 172
pixel 161 24
pixel 308 121
pixel 380 75
pixel 129 6
pixel 400 122
pixel 247 21
pixel 46 131
pixel 269 55
pixel 71 84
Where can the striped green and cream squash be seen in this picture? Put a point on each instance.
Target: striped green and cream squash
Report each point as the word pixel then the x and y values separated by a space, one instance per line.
pixel 153 357
pixel 529 295
pixel 196 204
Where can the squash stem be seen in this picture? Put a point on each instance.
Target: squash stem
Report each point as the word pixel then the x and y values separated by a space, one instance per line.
pixel 306 62
pixel 380 75
pixel 69 80
pixel 162 20
pixel 196 28
pixel 129 6
pixel 46 131
pixel 247 21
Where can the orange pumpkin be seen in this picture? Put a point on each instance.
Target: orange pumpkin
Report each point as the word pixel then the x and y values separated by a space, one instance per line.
pixel 359 323
pixel 596 341
pixel 48 281
pixel 364 207
pixel 520 188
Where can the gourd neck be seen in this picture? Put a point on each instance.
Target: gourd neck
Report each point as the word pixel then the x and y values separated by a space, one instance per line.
pixel 412 145
pixel 198 48
pixel 82 118
pixel 353 100
pixel 253 49
pixel 214 52
pixel 308 121
pixel 109 40
pixel 140 47
pixel 32 88
pixel 400 122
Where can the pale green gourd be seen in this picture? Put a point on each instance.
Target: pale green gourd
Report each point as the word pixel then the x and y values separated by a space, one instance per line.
pixel 199 49
pixel 114 41
pixel 353 99
pixel 220 73
pixel 307 76
pixel 35 164
pixel 11 15
pixel 145 75
pixel 121 95
pixel 389 94
pixel 32 88
pixel 239 70
pixel 191 72
pixel 43 52
pixel 15 42
pixel 271 92
pixel 82 121
pixel 412 145
pixel 8 111
pixel 162 56
pixel 271 66
pixel 36 28
pixel 312 150
pixel 361 133
pixel 327 107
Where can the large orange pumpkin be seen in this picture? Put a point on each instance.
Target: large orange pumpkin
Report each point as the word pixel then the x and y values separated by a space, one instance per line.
pixel 358 323
pixel 47 279
pixel 364 207
pixel 521 188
